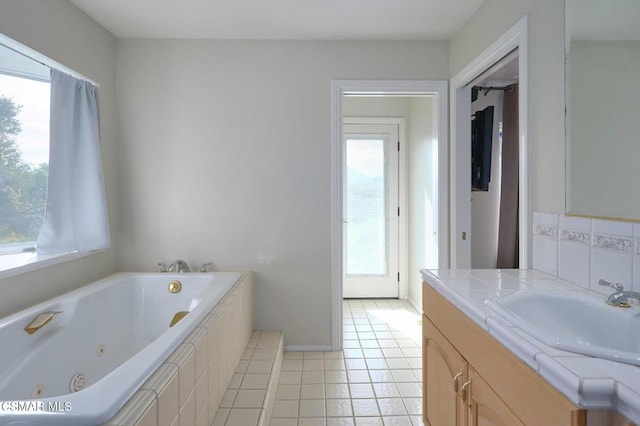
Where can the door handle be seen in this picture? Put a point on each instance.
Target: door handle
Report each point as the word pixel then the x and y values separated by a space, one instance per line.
pixel 463 391
pixel 455 382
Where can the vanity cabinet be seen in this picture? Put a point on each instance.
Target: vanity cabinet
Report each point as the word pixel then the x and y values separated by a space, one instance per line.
pixel 470 379
pixel 454 393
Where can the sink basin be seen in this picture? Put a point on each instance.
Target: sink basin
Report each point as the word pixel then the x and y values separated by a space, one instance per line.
pixel 574 321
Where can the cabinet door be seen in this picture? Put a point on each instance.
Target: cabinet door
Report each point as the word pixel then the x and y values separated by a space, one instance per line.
pixel 442 367
pixel 485 407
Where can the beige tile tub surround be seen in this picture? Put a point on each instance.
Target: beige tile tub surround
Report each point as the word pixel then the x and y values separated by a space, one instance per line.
pixel 250 396
pixel 188 387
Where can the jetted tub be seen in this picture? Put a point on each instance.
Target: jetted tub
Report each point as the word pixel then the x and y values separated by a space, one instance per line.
pixel 110 336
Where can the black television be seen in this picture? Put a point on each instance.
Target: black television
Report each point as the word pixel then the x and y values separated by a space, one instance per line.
pixel 481 140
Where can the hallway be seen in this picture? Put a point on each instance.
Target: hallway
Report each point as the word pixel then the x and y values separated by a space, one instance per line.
pixel 375 380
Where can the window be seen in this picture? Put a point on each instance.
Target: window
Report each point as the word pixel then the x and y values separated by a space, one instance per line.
pixel 52 206
pixel 24 158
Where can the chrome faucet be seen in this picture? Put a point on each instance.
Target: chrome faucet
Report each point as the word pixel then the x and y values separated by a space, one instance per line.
pixel 179 266
pixel 620 298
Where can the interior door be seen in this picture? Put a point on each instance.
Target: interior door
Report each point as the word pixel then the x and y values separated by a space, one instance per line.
pixel 371 211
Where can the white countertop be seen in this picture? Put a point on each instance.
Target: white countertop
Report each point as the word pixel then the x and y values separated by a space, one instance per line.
pixel 591 383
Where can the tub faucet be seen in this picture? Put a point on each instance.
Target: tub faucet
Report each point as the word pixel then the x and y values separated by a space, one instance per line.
pixel 179 266
pixel 620 298
pixel 40 321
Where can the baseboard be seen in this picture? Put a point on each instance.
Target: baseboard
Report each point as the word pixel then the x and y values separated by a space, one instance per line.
pixel 415 305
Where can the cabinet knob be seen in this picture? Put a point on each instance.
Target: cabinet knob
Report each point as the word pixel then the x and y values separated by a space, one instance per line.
pixel 455 382
pixel 463 391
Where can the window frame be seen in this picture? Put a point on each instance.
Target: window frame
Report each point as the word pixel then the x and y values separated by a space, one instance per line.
pixel 26 261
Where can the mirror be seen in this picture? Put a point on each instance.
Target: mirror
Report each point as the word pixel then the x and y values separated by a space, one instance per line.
pixel 603 108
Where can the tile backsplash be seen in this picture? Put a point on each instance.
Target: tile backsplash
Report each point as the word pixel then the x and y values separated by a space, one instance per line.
pixel 582 250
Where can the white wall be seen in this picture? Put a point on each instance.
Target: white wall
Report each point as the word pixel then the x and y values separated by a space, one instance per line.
pixel 376 107
pixel 423 195
pixel 546 84
pixel 59 30
pixel 226 157
pixel 485 205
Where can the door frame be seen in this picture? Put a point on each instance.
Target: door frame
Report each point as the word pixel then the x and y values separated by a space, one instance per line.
pixel 460 213
pixel 403 236
pixel 339 88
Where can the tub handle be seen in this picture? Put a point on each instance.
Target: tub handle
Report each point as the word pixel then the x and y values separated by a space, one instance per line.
pixel 177 317
pixel 40 321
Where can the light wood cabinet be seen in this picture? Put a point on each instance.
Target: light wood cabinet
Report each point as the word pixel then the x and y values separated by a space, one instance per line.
pixel 470 379
pixel 446 371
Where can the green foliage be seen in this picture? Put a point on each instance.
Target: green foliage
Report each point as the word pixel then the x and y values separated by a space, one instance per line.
pixel 23 188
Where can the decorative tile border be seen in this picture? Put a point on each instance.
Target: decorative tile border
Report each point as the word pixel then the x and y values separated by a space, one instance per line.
pixel 613 243
pixel 575 236
pixel 545 231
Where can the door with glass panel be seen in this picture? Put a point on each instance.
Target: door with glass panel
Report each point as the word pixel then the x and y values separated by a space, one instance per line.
pixel 371 210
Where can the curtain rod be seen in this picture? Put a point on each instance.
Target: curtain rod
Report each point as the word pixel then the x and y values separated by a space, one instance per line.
pixel 38 57
pixel 486 90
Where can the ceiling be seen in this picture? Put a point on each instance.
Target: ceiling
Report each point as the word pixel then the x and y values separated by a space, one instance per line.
pixel 282 19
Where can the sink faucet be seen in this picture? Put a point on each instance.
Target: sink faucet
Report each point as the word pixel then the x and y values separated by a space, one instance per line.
pixel 620 298
pixel 179 266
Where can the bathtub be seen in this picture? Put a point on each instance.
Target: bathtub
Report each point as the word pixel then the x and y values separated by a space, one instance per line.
pixel 110 336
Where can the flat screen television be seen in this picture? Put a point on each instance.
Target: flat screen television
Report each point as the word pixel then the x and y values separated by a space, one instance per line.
pixel 481 141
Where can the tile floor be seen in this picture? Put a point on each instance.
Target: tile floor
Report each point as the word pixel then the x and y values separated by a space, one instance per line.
pixel 375 380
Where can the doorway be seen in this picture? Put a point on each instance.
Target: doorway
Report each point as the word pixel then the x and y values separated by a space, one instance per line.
pixel 371 203
pixel 434 199
pixel 461 93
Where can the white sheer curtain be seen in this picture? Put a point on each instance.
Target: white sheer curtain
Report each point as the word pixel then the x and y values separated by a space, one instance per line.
pixel 76 209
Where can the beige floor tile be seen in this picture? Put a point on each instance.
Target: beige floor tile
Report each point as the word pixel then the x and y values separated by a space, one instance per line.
pixel 310 377
pixel 285 409
pixel 312 408
pixel 386 390
pixel 377 364
pixel 243 417
pixel 376 379
pixel 340 421
pixel 338 376
pixel 413 405
pixel 361 390
pixel 391 406
pixel 339 408
pixel 334 364
pixel 381 376
pixel 249 398
pixel 396 420
pixel 337 390
pixel 355 363
pixel 365 407
pixel 313 365
pixel 288 392
pixel 312 421
pixel 312 391
pixel 284 422
pixel 410 390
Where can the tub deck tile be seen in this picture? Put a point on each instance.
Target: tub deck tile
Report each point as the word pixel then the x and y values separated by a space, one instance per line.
pixel 251 394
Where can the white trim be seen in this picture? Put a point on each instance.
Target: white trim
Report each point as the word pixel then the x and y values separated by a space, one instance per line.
pixel 339 88
pixel 403 234
pixel 515 37
pixel 39 57
pixel 307 348
pixel 26 262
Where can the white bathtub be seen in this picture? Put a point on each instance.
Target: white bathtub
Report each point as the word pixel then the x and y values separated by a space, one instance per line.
pixel 115 332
